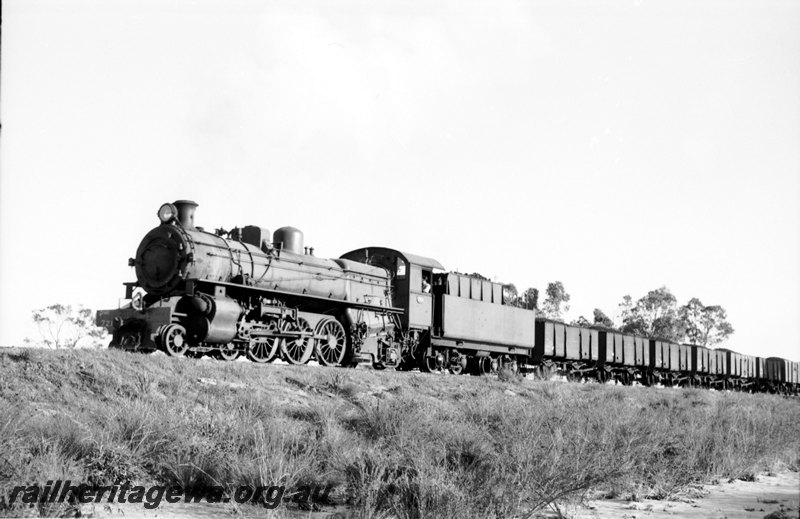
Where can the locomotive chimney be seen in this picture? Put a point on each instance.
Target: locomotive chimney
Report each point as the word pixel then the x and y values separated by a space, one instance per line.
pixel 186 213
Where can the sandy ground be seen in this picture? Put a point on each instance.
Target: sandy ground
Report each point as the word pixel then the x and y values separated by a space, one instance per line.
pixel 733 500
pixel 768 496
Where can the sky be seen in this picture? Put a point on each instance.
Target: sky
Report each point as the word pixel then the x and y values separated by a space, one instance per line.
pixel 615 146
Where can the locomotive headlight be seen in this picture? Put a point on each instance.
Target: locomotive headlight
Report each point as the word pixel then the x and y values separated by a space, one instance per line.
pixel 167 212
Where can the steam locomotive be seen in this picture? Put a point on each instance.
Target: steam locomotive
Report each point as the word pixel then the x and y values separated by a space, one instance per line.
pixel 266 296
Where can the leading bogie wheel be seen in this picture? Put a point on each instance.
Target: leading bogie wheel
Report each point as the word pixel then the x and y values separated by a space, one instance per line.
pixel 173 340
pixel 330 343
pixel 228 352
pixel 298 350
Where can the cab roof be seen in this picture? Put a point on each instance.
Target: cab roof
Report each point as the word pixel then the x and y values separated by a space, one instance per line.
pixel 414 259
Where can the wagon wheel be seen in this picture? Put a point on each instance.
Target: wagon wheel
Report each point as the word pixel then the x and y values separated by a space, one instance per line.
pixel 227 352
pixel 459 364
pixel 483 366
pixel 173 340
pixel 331 342
pixel 430 363
pixel 298 350
pixel 507 363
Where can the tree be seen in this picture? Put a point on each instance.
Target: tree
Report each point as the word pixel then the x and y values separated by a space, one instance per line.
pixel 654 315
pixel 510 295
pixel 61 326
pixel 657 304
pixel 601 319
pixel 657 315
pixel 670 327
pixel 582 322
pixel 530 299
pixel 630 320
pixel 705 325
pixel 625 307
pixel 555 304
pixel 635 325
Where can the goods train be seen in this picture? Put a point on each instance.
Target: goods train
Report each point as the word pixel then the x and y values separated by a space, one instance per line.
pixel 266 296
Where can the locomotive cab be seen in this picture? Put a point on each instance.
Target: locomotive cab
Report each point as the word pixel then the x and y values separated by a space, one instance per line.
pixel 412 282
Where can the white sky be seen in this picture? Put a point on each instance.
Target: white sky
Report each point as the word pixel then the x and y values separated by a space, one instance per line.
pixel 617 146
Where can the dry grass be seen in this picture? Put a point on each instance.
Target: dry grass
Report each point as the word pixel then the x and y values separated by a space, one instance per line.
pixel 392 444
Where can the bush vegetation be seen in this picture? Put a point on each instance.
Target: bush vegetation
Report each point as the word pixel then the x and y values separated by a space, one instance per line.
pixel 392 444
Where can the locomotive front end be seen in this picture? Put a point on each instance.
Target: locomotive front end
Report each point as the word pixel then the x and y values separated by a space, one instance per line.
pixel 165 252
pixel 162 264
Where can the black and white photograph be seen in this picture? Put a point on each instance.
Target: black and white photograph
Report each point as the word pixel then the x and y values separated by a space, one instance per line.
pixel 400 259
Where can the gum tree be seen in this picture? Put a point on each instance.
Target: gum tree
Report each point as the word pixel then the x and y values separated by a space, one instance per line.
pixel 62 326
pixel 705 325
pixel 555 302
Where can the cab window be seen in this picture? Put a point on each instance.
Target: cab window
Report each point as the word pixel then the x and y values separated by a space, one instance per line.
pixel 421 280
pixel 427 282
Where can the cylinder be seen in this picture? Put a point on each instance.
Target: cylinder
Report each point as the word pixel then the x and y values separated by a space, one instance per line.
pixel 220 328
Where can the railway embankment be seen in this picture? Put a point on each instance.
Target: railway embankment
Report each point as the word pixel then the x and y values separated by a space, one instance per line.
pixel 381 443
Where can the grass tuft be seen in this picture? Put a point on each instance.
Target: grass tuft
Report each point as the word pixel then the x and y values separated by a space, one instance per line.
pixel 390 444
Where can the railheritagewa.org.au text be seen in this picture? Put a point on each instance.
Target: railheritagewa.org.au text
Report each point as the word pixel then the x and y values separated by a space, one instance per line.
pixel 151 497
